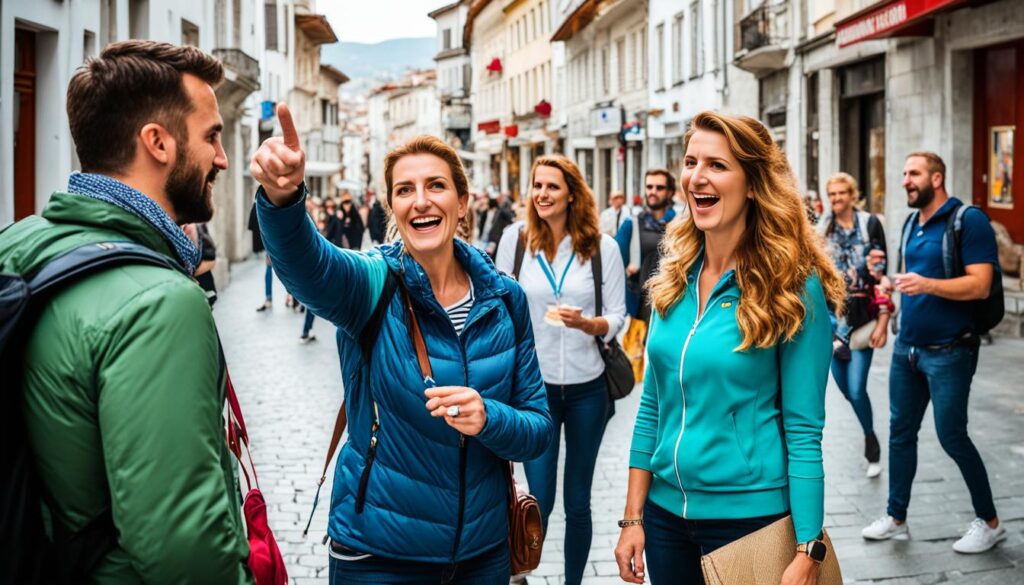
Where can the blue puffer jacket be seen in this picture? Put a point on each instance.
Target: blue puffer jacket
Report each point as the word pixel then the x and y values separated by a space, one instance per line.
pixel 430 494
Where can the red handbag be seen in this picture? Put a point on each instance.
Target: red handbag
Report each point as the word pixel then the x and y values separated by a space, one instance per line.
pixel 265 560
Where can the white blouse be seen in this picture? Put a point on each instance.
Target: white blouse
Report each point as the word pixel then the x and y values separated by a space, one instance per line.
pixel 568 356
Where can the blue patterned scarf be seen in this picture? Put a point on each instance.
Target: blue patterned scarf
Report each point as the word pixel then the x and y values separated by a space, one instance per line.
pixel 117 193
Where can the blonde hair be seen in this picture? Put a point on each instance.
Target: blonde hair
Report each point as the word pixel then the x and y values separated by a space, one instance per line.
pixel 779 249
pixel 848 180
pixel 581 222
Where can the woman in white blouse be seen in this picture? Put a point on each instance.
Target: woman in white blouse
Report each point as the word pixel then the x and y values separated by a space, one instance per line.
pixel 559 239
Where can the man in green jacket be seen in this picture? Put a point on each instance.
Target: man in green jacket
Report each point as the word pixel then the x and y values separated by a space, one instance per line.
pixel 123 396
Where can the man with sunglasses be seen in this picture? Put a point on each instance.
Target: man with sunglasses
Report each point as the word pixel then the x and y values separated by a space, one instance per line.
pixel 643 234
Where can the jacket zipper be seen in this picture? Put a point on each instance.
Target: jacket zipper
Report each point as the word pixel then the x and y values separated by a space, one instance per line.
pixel 462 458
pixel 682 389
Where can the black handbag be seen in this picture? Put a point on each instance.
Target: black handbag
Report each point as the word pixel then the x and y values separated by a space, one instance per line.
pixel 618 371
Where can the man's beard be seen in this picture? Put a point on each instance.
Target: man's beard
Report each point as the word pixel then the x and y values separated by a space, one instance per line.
pixel 190 193
pixel 661 202
pixel 925 195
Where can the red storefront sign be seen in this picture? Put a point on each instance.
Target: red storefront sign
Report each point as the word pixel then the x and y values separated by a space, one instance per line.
pixel 887 19
pixel 489 127
pixel 543 108
pixel 512 131
pixel 495 65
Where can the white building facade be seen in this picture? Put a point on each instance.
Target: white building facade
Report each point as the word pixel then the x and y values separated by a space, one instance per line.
pixel 453 73
pixel 605 87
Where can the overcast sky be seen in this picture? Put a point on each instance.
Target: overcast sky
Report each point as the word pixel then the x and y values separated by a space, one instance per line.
pixel 372 21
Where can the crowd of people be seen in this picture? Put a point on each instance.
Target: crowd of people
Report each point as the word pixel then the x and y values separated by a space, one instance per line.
pixel 472 334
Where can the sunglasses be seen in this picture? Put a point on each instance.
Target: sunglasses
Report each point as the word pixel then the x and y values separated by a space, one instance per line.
pixel 657 187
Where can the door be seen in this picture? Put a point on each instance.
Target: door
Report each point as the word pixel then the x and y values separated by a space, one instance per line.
pixel 24 123
pixel 998 124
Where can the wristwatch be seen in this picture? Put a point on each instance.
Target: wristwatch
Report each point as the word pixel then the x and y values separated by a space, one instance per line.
pixel 816 549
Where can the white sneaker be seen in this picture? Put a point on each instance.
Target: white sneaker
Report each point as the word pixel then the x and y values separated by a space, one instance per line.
pixel 979 537
pixel 885 528
pixel 874 470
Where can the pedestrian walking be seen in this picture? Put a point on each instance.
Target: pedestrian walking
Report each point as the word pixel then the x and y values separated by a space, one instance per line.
pixel 420 487
pixel 268 274
pixel 936 350
pixel 378 219
pixel 617 212
pixel 352 223
pixel 122 391
pixel 494 218
pixel 728 435
pixel 640 236
pixel 856 242
pixel 557 246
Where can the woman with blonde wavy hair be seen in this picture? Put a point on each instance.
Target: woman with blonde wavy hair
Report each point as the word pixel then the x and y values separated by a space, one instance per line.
pixel 558 248
pixel 728 435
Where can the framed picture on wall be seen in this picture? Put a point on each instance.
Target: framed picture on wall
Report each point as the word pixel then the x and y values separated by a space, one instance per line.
pixel 1000 167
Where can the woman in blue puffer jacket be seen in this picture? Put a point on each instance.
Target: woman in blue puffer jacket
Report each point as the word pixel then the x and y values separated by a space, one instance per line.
pixel 420 493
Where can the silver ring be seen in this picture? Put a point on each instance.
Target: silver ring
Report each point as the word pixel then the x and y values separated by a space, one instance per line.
pixel 453 411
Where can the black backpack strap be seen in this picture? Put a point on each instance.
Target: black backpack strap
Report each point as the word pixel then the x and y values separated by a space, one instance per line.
pixel 368 336
pixel 92 258
pixel 952 254
pixel 520 253
pixel 908 227
pixel 598 272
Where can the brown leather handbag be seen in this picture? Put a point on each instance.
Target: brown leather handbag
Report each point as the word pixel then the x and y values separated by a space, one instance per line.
pixel 525 528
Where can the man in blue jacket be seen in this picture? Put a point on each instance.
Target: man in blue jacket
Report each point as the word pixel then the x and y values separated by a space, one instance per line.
pixel 936 352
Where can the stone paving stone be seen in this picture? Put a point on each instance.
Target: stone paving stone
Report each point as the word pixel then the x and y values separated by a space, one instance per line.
pixel 291 392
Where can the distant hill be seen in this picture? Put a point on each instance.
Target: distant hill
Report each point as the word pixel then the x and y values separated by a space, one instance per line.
pixel 369 64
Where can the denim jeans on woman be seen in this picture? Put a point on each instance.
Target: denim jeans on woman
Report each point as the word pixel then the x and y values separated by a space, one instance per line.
pixel 489 568
pixel 942 376
pixel 582 409
pixel 673 545
pixel 852 378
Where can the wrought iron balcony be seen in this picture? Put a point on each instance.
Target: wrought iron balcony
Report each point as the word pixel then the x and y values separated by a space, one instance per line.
pixel 760 46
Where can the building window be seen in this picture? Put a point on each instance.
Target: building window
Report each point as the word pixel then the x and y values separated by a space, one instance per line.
pixel 643 55
pixel 108 21
pixel 620 50
pixel 696 42
pixel 717 35
pixel 605 71
pixel 189 33
pixel 677 49
pixel 270 25
pixel 659 56
pixel 446 39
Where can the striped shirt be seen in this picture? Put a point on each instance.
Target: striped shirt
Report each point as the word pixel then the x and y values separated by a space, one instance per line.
pixel 460 310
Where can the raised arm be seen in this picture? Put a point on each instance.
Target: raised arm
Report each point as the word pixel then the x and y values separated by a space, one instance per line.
pixel 341 286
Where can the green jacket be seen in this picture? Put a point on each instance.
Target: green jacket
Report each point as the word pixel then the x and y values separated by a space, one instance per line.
pixel 730 434
pixel 123 403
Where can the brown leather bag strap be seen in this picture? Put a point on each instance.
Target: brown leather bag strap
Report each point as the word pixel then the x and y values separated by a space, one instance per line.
pixel 339 427
pixel 417 335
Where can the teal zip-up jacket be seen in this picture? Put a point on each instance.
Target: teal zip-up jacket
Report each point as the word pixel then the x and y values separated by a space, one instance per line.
pixel 730 434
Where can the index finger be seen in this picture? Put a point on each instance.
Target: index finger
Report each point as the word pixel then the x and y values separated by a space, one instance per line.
pixel 437 391
pixel 288 132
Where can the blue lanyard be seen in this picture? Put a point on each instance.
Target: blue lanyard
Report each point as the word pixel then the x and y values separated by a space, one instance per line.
pixel 550 274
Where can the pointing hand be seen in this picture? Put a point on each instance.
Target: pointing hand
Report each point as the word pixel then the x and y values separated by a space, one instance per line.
pixel 279 164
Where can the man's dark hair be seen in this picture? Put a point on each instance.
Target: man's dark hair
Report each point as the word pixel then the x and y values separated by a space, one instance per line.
pixel 670 179
pixel 132 83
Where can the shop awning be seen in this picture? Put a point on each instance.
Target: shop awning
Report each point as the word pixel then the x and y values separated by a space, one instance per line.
pixel 891 18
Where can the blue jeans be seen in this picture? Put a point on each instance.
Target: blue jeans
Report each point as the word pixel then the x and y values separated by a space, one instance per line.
pixel 852 379
pixel 943 376
pixel 673 546
pixel 583 410
pixel 307 324
pixel 490 568
pixel 268 282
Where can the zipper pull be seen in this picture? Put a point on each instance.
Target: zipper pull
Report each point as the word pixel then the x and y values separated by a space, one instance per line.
pixel 462 440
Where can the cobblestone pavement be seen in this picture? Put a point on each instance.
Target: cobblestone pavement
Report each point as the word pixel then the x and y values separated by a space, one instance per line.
pixel 291 392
